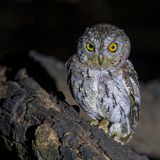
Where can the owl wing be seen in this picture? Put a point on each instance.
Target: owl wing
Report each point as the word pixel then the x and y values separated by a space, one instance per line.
pixel 133 88
pixel 68 65
pixel 72 72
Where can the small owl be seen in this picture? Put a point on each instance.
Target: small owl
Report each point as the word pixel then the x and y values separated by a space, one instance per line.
pixel 104 82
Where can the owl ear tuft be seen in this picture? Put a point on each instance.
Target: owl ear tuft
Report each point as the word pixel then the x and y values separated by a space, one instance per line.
pixel 87 29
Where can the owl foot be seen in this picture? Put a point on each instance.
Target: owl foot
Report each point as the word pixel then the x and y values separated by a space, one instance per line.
pixel 94 123
pixel 103 124
pixel 123 140
pixel 118 133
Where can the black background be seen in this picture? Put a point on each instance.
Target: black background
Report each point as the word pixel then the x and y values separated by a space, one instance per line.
pixel 52 27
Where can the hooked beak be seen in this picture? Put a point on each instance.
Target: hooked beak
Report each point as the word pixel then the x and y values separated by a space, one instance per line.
pixel 100 59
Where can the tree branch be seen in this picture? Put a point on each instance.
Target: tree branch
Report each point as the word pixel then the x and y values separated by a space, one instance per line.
pixel 36 125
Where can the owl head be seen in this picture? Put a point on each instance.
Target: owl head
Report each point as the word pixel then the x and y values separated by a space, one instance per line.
pixel 103 46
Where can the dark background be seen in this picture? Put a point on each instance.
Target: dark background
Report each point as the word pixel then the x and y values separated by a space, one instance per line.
pixel 53 26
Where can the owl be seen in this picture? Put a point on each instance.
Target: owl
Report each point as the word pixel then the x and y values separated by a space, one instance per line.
pixel 103 81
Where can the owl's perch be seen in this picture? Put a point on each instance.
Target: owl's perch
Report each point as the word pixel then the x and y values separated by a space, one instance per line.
pixel 35 125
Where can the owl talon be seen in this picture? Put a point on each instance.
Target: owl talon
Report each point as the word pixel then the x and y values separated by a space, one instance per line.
pixel 103 124
pixel 94 123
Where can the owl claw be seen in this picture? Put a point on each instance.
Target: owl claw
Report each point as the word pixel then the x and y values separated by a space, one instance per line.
pixel 94 123
pixel 103 124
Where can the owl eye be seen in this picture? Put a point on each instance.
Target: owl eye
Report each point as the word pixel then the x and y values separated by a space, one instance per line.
pixel 113 47
pixel 90 47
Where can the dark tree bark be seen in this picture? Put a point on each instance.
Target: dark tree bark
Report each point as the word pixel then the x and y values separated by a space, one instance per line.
pixel 36 125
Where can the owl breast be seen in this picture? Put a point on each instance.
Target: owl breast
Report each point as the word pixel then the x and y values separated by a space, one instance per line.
pixel 101 94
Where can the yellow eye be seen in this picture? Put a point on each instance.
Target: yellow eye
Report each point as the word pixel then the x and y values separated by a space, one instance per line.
pixel 90 47
pixel 113 47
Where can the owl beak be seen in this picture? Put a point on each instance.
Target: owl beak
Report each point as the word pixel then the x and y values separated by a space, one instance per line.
pixel 100 59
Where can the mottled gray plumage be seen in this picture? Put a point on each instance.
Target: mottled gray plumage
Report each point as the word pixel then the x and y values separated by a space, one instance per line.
pixel 103 80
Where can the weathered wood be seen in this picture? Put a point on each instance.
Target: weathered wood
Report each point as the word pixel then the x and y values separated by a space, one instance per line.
pixel 36 125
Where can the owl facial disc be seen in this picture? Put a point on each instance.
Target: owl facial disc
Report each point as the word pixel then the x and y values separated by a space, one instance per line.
pixel 103 46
